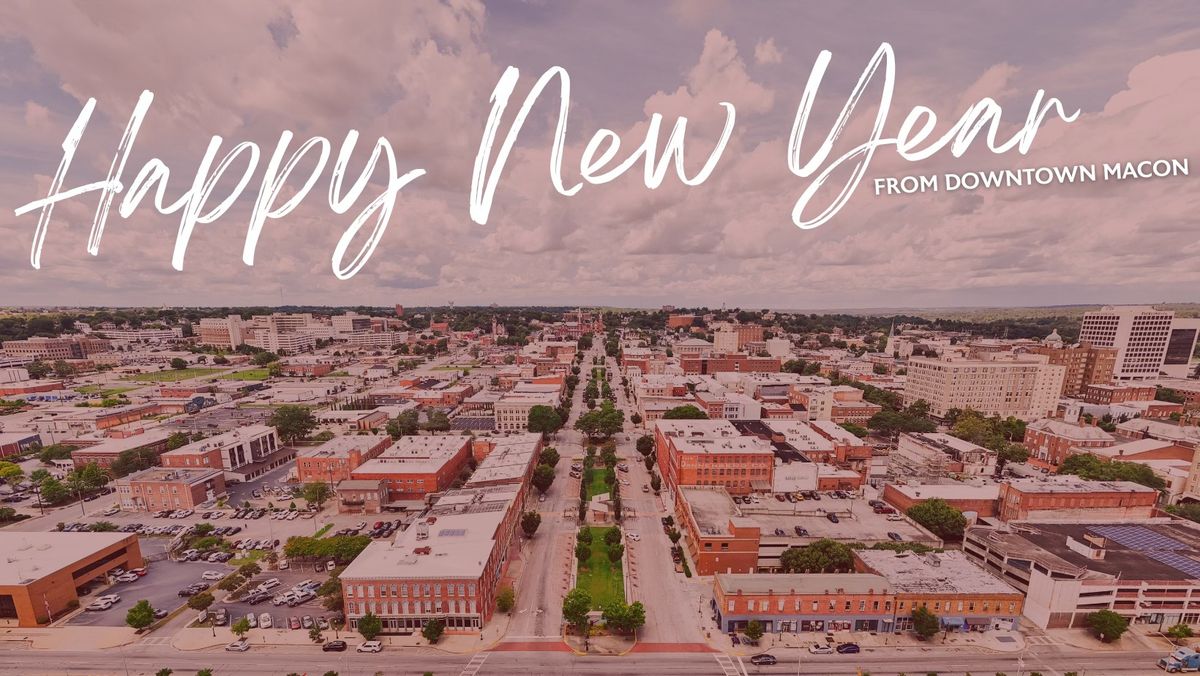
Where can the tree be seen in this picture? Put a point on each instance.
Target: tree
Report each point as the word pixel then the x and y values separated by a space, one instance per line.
pixel 544 419
pixel 315 635
pixel 857 430
pixel 645 444
pixel 437 421
pixel 505 600
pixel 240 627
pixel 1088 466
pixel 205 672
pixel 687 412
pixel 925 623
pixel 230 583
pixel 673 535
pixel 583 552
pixel 136 460
pixel 37 369
pixel 202 601
pixel 530 522
pixel 822 556
pixel 405 424
pixel 62 369
pixel 141 615
pixel 615 552
pixel 53 452
pixel 612 536
pixel 636 418
pixel 655 483
pixel 1179 631
pixel 103 527
pixel 53 491
pixel 369 626
pixel 11 473
pixel 754 630
pixel 433 630
pixel 624 618
pixel 249 570
pixel 264 358
pixel 178 364
pixel 1106 625
pixel 584 535
pixel 602 422
pixel 293 422
pixel 164 672
pixel 575 607
pixel 549 456
pixel 316 493
pixel 939 517
pixel 543 477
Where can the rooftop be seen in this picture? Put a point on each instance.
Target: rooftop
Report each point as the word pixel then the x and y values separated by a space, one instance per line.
pixel 416 454
pixel 509 460
pixel 1070 430
pixel 454 540
pixel 187 475
pixel 940 573
pixel 1073 484
pixel 784 583
pixel 229 438
pixel 340 447
pixel 945 443
pixel 949 491
pixel 32 556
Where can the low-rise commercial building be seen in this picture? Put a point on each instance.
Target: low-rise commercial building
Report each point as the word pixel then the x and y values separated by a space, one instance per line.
pixel 446 566
pixel 1069 497
pixel 967 498
pixel 933 455
pixel 15 443
pixel 417 465
pixel 336 459
pixel 106 452
pixel 41 573
pixel 244 454
pixel 712 453
pixel 1051 441
pixel 803 602
pixel 157 488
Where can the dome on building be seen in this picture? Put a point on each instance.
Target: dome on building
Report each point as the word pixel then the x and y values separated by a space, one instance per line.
pixel 1053 339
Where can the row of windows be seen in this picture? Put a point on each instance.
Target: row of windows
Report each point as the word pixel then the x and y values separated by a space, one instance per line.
pixel 418 590
pixel 455 606
pixel 848 606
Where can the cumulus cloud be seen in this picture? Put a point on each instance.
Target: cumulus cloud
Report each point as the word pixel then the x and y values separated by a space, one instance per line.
pixel 766 52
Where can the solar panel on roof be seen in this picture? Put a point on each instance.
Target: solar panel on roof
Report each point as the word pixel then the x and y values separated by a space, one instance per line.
pixel 1154 545
pixel 452 532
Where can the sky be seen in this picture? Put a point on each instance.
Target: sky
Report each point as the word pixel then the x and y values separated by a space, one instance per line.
pixel 421 74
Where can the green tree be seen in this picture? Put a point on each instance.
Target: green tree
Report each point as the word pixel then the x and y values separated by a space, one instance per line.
pixel 925 623
pixel 164 672
pixel 437 421
pixel 1106 625
pixel 686 412
pixel 53 452
pixel 315 635
pixel 293 422
pixel 204 672
pixel 264 358
pixel 655 483
pixel 645 444
pixel 369 626
pixel 857 430
pixel 939 517
pixel 316 493
pixel 754 630
pixel 433 630
pixel 178 364
pixel 136 460
pixel 1179 631
pixel 615 552
pixel 141 615
pixel 202 601
pixel 624 618
pixel 575 607
pixel 602 422
pixel 249 570
pixel 612 536
pixel 544 419
pixel 543 477
pixel 11 473
pixel 103 527
pixel 405 424
pixel 582 552
pixel 530 522
pixel 38 369
pixel 1088 466
pixel 822 556
pixel 240 627
pixel 53 491
pixel 549 456
pixel 505 600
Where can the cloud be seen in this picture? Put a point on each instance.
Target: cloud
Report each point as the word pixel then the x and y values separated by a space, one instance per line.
pixel 766 52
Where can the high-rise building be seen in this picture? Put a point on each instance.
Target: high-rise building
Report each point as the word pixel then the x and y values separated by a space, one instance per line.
pixel 1027 387
pixel 1139 333
pixel 221 331
pixel 1181 344
pixel 1085 365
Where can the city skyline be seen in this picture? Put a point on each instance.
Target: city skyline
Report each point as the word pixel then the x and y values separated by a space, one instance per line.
pixel 422 80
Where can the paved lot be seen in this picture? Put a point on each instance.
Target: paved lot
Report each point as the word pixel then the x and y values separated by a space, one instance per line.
pixel 240 493
pixel 279 614
pixel 160 586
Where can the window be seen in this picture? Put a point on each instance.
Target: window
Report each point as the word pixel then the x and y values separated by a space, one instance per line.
pixel 730 608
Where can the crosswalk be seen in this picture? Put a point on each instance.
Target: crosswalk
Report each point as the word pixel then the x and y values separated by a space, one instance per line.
pixel 474 665
pixel 728 665
pixel 1042 640
pixel 156 640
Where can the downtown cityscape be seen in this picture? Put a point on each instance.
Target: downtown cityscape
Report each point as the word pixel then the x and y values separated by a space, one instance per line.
pixel 596 490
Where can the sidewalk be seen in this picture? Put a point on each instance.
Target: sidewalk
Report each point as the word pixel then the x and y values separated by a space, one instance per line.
pixel 68 638
pixel 989 641
pixel 201 638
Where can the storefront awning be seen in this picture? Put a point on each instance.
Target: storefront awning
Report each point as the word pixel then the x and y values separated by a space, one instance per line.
pixel 952 622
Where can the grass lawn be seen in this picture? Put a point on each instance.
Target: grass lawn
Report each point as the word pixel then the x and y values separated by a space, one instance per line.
pixel 251 556
pixel 102 390
pixel 324 529
pixel 171 376
pixel 602 578
pixel 596 485
pixel 251 374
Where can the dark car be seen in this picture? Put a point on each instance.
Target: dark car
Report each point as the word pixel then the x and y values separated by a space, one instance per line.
pixel 895 536
pixel 832 517
pixel 334 646
pixel 801 532
pixel 779 497
pixel 764 659
pixel 848 648
pixel 159 613
pixel 791 498
pixel 780 532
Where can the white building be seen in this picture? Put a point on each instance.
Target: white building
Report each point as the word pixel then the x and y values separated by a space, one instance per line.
pixel 1139 333
pixel 1026 388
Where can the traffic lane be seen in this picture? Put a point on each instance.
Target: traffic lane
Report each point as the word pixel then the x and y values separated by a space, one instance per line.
pixel 160 586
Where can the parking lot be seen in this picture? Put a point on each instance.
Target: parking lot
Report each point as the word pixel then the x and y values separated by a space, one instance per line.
pixel 160 586
pixel 280 614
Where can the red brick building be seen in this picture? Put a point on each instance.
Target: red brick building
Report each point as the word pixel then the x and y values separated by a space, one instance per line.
pixel 1117 394
pixel 1051 441
pixel 417 465
pixel 716 544
pixel 712 453
pixel 731 362
pixel 334 460
pixel 158 488
pixel 1071 497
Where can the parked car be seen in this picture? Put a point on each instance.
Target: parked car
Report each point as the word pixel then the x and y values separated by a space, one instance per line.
pixel 832 517
pixel 763 659
pixel 895 517
pixel 239 646
pixel 895 536
pixel 779 497
pixel 111 598
pixel 334 646
pixel 370 647
pixel 99 605
pixel 293 622
pixel 159 613
pixel 820 649
pixel 779 532
pixel 848 648
pixel 252 619
pixel 127 577
pixel 801 531
pixel 307 622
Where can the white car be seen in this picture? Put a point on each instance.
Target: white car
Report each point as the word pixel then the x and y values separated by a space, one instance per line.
pixel 370 647
pixel 252 619
pixel 111 598
pixel 820 649
pixel 212 575
pixel 895 517
pixel 100 605
pixel 292 516
pixel 127 577
pixel 238 646
pixel 633 536
pixel 265 621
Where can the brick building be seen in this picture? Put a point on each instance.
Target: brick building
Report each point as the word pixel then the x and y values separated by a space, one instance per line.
pixel 157 488
pixel 712 453
pixel 417 465
pixel 716 542
pixel 106 452
pixel 334 460
pixel 982 500
pixel 1085 365
pixel 1069 497
pixel 728 362
pixel 1050 441
pixel 1117 394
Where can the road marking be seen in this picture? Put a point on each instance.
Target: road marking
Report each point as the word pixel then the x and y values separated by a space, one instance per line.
pixel 742 665
pixel 474 665
pixel 726 665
